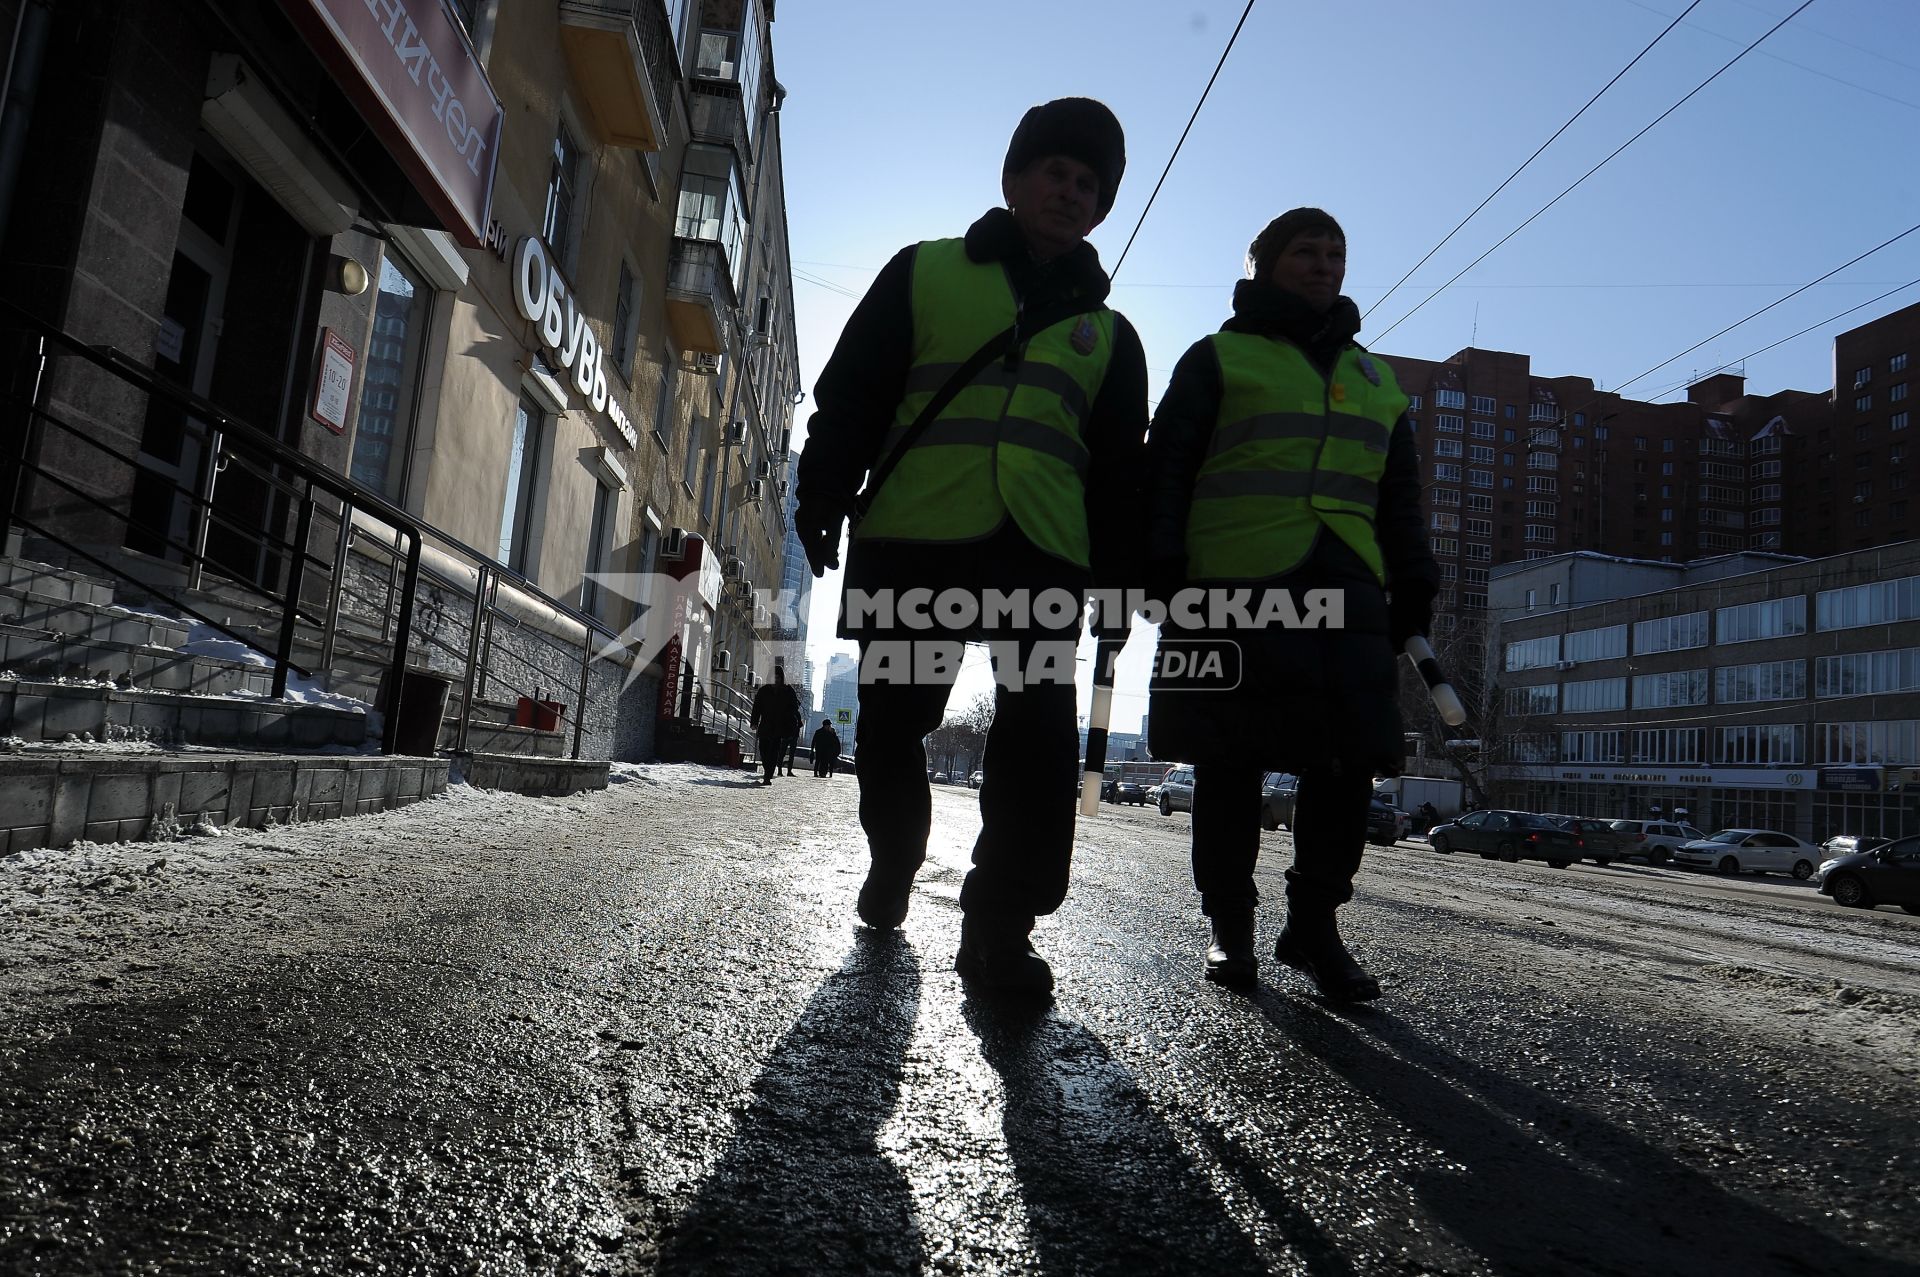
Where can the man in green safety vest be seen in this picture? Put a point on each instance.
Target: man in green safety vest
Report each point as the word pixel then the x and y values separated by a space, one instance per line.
pixel 995 409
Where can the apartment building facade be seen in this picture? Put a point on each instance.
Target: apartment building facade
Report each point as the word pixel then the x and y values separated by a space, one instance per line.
pixel 518 269
pixel 1747 690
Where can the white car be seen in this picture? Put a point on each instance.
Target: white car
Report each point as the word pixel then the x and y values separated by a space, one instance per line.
pixel 1732 851
pixel 1175 793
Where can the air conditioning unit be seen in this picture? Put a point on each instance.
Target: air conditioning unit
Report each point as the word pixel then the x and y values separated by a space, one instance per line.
pixel 763 469
pixel 730 551
pixel 722 661
pixel 736 434
pixel 753 489
pixel 704 364
pixel 1566 665
pixel 674 545
pixel 736 570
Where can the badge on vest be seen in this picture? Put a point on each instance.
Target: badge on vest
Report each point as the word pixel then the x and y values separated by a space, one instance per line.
pixel 1337 392
pixel 1368 371
pixel 1083 336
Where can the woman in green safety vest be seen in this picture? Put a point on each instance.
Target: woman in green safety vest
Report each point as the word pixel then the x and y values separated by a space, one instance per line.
pixel 1285 532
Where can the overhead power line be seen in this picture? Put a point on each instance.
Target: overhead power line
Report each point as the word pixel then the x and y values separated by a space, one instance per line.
pixel 1530 159
pixel 1183 136
pixel 1596 168
pixel 1770 305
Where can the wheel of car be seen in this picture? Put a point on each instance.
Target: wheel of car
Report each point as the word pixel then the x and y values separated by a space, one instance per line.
pixel 1913 909
pixel 1803 869
pixel 1603 861
pixel 1271 821
pixel 1509 853
pixel 1728 865
pixel 1851 892
pixel 1559 864
pixel 1659 856
pixel 1442 846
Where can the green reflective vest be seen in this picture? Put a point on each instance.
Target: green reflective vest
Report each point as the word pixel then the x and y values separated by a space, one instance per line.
pixel 1009 443
pixel 1291 452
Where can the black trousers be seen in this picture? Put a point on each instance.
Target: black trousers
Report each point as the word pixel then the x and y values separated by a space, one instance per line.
pixel 1020 859
pixel 772 750
pixel 1329 835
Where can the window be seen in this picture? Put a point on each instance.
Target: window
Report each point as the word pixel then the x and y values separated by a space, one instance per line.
pixel 1593 747
pixel 1480 478
pixel 1896 394
pixel 1446 545
pixel 1898 363
pixel 1863 432
pixel 1479 527
pixel 696 431
pixel 1765 681
pixel 1484 405
pixel 1670 633
pixel 1862 403
pixel 1544 699
pixel 1477 553
pixel 1447 447
pixel 1861 376
pixel 563 191
pixel 383 430
pixel 1446 473
pixel 1670 745
pixel 523 487
pixel 1639 443
pixel 1480 455
pixel 1509 435
pixel 1450 398
pixel 1665 691
pixel 1784 743
pixel 1445 522
pixel 1413 403
pixel 1888 741
pixel 709 475
pixel 1666 445
pixel 1897 453
pixel 1446 496
pixel 1862 490
pixel 727 53
pixel 1580 419
pixel 710 204
pixel 623 323
pixel 663 406
pixel 600 535
pixel 1479 501
pixel 1448 424
pixel 1605 643
pixel 1898 421
pixel 1593 696
pixel 1483 430
pixel 1868 673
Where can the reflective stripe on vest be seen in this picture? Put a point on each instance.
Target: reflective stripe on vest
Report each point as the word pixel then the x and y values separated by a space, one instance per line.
pixel 1291 452
pixel 1009 443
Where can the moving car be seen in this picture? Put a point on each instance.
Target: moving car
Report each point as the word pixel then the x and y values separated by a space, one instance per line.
pixel 1276 800
pixel 1124 791
pixel 1655 840
pixel 1176 791
pixel 973 781
pixel 1604 845
pixel 1887 875
pixel 1753 850
pixel 1510 836
pixel 1847 844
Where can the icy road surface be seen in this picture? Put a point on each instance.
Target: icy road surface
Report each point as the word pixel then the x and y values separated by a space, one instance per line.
pixel 639 1031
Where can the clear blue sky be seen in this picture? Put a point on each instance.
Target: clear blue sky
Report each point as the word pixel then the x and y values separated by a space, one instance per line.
pixel 1397 116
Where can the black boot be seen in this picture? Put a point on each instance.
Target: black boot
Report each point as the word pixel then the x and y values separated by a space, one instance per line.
pixel 883 896
pixel 997 954
pixel 1310 943
pixel 1230 959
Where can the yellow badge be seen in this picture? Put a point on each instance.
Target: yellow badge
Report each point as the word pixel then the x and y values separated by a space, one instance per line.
pixel 1339 393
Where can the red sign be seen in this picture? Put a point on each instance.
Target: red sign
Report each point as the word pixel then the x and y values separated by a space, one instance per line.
pixel 408 66
pixel 333 383
pixel 669 677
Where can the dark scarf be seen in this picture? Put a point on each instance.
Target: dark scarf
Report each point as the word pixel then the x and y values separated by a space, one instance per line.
pixel 996 237
pixel 1260 307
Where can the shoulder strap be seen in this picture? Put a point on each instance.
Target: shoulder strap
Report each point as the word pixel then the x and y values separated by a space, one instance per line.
pixel 1000 343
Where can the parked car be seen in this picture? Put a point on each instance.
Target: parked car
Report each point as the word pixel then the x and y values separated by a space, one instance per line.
pixel 1176 791
pixel 1510 836
pixel 1847 844
pixel 1753 850
pixel 1386 824
pixel 1124 791
pixel 1276 800
pixel 1604 846
pixel 1887 875
pixel 1655 840
pixel 973 781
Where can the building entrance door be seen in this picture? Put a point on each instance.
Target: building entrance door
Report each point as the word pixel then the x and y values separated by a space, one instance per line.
pixel 161 521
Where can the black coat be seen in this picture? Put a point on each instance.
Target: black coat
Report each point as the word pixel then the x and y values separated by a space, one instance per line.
pixel 776 711
pixel 1306 697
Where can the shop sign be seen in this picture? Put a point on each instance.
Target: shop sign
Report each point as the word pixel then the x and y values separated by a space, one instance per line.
pixel 333 383
pixel 1851 780
pixel 545 299
pixel 1729 777
pixel 417 83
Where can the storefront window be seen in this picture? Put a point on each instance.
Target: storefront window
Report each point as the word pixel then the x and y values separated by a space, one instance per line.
pixel 383 433
pixel 523 471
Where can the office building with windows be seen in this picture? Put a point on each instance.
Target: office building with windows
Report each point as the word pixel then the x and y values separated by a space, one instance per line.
pixel 1749 689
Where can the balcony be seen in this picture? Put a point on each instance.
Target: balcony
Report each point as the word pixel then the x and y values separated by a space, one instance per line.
pixel 607 44
pixel 699 296
pixel 717 115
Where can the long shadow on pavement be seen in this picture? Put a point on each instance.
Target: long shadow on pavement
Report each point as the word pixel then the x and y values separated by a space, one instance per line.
pixel 1107 1187
pixel 1549 1187
pixel 802 1187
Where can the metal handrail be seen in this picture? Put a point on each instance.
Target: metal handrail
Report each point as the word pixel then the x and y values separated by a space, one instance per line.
pixel 307 482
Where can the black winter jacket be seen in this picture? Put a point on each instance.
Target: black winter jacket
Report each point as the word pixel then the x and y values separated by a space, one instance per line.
pixel 860 388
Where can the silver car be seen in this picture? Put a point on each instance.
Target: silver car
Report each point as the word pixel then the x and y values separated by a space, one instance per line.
pixel 1760 851
pixel 1175 793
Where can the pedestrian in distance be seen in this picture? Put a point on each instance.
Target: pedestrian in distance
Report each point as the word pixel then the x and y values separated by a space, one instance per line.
pixel 776 721
pixel 996 409
pixel 1426 817
pixel 826 749
pixel 1281 459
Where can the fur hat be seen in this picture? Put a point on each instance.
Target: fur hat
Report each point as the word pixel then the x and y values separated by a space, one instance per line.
pixel 1272 241
pixel 1078 128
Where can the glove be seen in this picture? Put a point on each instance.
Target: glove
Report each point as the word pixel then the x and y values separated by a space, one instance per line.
pixel 819 532
pixel 1410 611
